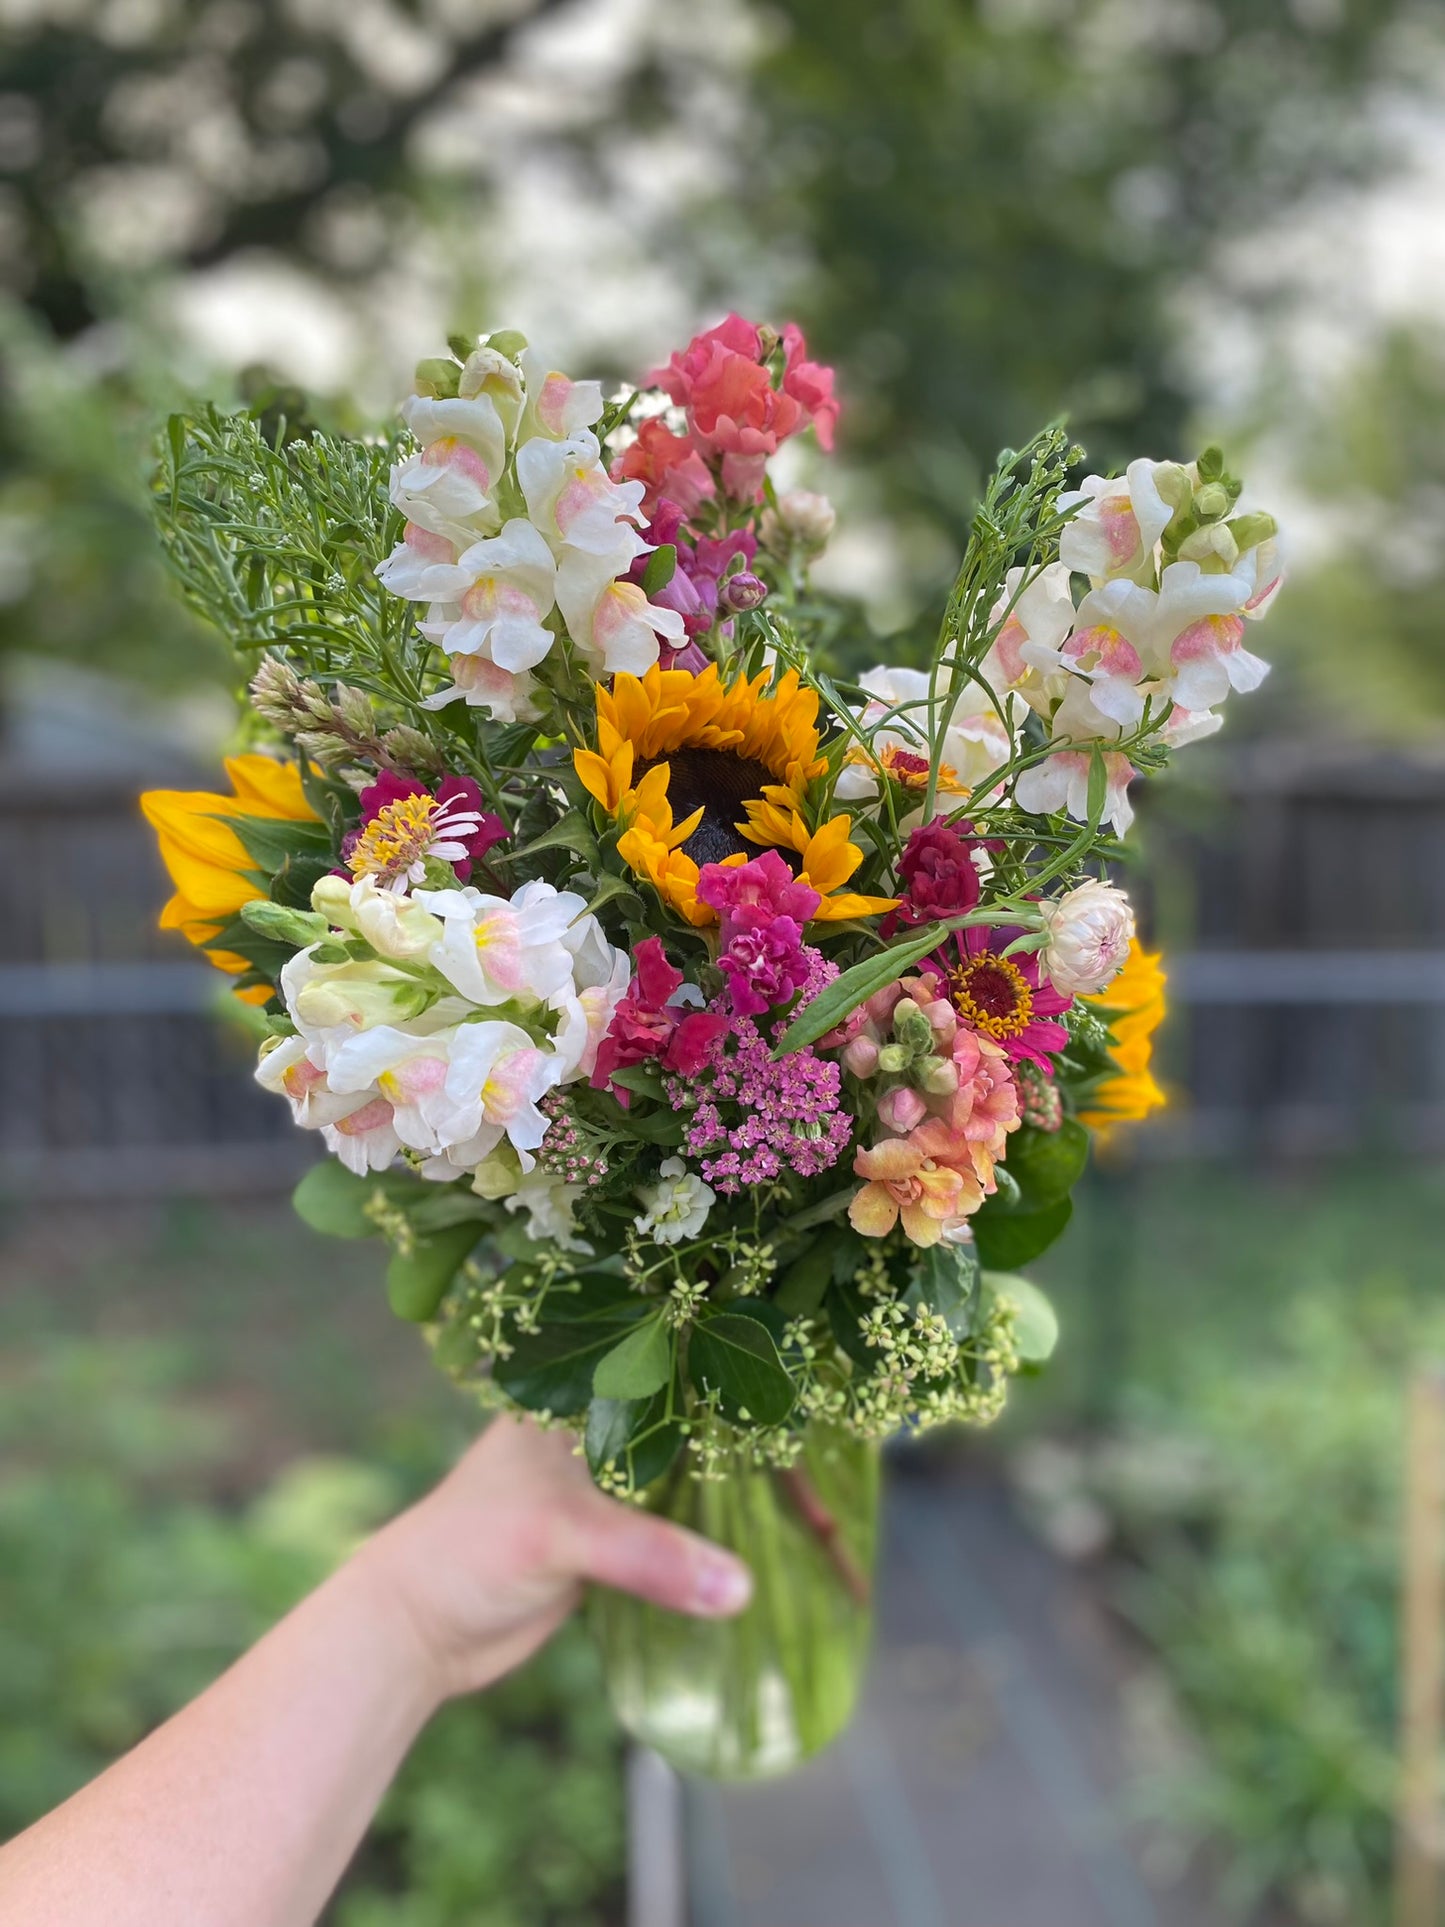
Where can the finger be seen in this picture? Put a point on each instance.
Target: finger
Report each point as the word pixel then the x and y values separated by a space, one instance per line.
pixel 657 1561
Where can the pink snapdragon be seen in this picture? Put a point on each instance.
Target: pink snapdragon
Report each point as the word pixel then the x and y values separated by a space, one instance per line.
pixel 649 1023
pixel 763 910
pixel 669 469
pixel 736 418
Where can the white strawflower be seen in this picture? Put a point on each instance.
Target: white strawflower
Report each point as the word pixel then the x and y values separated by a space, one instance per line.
pixel 1089 932
pixel 677 1207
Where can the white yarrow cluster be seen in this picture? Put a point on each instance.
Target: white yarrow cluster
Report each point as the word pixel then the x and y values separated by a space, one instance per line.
pixel 515 530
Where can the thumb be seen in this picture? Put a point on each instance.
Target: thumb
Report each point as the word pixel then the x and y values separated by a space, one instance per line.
pixel 661 1562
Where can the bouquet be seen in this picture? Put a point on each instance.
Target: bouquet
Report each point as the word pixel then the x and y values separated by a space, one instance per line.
pixel 711 1035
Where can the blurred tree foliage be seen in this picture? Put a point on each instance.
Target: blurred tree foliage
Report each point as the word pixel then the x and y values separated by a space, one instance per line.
pixel 176 133
pixel 1007 201
pixel 1365 621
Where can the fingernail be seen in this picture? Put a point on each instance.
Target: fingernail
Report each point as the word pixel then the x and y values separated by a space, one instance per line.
pixel 722 1586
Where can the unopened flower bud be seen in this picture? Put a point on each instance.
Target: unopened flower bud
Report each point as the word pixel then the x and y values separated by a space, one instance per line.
pixel 1249 531
pixel 937 1075
pixel 807 517
pixel 900 1109
pixel 331 898
pixel 437 378
pixel 1212 547
pixel 742 592
pixel 1211 501
pixel 861 1057
pixel 893 1059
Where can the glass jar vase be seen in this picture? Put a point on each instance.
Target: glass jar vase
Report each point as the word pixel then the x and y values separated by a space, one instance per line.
pixel 743 1698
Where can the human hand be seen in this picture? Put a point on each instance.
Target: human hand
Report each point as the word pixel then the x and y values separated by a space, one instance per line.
pixel 486 1567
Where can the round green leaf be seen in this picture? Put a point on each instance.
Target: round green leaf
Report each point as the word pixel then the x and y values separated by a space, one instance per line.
pixel 1007 1239
pixel 333 1200
pixel 1046 1165
pixel 1036 1323
pixel 417 1282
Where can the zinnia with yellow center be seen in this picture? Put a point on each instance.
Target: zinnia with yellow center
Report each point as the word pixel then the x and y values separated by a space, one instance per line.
pixel 694 772
pixel 1134 1008
pixel 212 869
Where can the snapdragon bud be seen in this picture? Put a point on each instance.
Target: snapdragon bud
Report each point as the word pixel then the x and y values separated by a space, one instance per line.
pixel 1213 547
pixel 742 592
pixel 437 378
pixel 360 995
pixel 1211 501
pixel 499 1173
pixel 893 1059
pixel 937 1075
pixel 1249 531
pixel 331 898
pixel 810 519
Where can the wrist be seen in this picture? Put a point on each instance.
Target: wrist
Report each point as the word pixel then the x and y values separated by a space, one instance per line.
pixel 408 1645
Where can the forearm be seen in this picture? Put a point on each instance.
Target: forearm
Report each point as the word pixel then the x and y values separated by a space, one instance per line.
pixel 244 1809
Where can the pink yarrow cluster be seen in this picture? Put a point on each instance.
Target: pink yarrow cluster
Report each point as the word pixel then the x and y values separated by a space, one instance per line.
pixel 736 416
pixel 758 1117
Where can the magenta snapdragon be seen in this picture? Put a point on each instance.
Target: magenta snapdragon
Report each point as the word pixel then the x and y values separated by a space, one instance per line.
pixel 763 909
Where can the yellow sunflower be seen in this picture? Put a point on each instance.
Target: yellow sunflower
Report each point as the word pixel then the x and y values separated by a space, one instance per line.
pixel 1134 1006
pixel 212 870
pixel 695 773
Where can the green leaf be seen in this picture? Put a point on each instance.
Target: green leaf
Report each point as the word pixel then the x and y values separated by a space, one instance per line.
pixel 857 985
pixel 283 925
pixel 417 1282
pixel 804 1283
pixel 609 890
pixel 269 840
pixel 946 1281
pixel 639 1366
pixel 656 1127
pixel 645 1079
pixel 636 1434
pixel 1036 1323
pixel 297 878
pixel 572 832
pixel 333 1200
pixel 552 1370
pixel 1044 1165
pixel 1007 1240
pixel 736 1358
pixel 1098 787
pixel 661 567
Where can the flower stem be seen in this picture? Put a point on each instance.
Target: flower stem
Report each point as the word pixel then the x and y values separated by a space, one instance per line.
pixel 804 1498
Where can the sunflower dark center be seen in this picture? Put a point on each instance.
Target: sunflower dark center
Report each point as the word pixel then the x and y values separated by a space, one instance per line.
pixel 720 785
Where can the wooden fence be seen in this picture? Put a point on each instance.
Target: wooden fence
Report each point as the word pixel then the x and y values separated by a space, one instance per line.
pixel 1300 896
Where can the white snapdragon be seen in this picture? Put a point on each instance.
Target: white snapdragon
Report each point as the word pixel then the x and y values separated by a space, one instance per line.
pixel 495 949
pixel 571 498
pixel 612 619
pixel 515 424
pixel 443 1045
pixel 1119 520
pixel 1089 930
pixel 676 1207
pixel 1032 623
pixel 495 599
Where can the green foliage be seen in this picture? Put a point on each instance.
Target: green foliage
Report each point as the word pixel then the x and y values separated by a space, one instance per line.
pixel 734 1358
pixel 1001 201
pixel 123 1593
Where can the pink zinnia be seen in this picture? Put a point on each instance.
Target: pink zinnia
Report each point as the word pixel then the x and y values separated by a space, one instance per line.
pixel 1002 997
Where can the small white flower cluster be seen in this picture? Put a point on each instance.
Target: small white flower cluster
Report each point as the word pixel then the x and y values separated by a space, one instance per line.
pixel 514 529
pixel 433 1024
